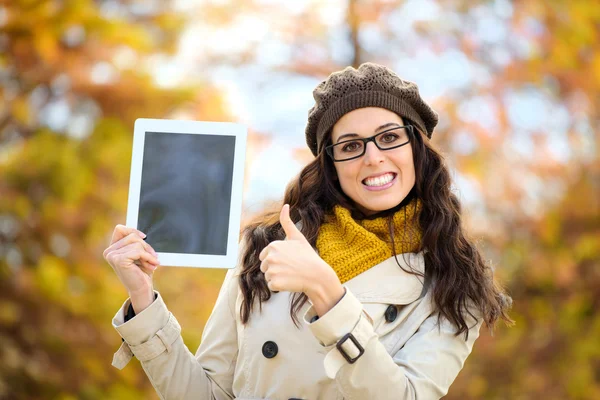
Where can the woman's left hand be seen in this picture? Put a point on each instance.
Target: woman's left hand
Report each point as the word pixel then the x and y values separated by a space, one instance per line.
pixel 293 265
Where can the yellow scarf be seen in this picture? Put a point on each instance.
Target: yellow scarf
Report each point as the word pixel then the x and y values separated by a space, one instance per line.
pixel 351 247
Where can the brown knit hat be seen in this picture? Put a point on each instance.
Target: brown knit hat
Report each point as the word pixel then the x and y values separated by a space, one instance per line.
pixel 371 85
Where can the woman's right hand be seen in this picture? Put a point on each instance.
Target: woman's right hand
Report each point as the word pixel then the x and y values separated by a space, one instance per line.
pixel 134 261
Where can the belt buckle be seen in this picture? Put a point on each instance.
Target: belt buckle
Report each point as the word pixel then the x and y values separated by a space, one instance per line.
pixel 339 344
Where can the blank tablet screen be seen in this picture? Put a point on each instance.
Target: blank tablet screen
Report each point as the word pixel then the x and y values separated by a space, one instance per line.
pixel 185 193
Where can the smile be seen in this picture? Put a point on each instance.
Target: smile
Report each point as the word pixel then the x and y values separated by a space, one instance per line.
pixel 380 182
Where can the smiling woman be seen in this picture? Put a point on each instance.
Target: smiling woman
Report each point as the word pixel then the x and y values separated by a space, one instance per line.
pixel 368 249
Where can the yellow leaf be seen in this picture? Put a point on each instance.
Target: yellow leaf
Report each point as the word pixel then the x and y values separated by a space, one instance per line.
pixel 46 45
pixel 52 276
pixel 20 110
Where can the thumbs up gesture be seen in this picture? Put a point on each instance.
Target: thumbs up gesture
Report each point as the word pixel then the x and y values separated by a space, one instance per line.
pixel 292 265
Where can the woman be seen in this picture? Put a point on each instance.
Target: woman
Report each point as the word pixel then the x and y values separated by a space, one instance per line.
pixel 363 286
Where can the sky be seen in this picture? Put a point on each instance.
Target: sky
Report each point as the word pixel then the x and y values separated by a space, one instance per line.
pixel 277 103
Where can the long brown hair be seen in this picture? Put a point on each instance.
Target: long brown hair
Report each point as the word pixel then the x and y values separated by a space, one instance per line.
pixel 452 260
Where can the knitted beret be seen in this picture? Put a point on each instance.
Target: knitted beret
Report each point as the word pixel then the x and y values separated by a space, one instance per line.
pixel 371 85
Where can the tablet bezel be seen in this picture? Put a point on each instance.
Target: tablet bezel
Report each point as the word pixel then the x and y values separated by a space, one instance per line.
pixel 166 126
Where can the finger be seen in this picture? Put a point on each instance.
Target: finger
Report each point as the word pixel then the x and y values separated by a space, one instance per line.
pixel 133 251
pixel 274 286
pixel 268 276
pixel 148 248
pixel 124 241
pixel 264 267
pixel 148 257
pixel 265 252
pixel 271 282
pixel 271 248
pixel 268 249
pixel 139 263
pixel 291 232
pixel 131 238
pixel 146 266
pixel 121 231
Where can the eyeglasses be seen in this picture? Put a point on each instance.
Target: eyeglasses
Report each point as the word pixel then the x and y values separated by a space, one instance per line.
pixel 386 140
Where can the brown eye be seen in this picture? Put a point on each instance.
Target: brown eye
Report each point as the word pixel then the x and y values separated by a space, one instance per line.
pixel 351 147
pixel 389 138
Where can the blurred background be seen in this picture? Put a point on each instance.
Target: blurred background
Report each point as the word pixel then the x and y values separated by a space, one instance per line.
pixel 517 87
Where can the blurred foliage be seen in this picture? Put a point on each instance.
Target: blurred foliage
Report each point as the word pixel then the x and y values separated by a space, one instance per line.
pixel 74 75
pixel 64 186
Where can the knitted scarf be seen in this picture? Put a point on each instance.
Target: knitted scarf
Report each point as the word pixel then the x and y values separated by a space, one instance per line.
pixel 351 247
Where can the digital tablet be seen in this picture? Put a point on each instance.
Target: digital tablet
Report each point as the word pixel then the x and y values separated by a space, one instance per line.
pixel 185 190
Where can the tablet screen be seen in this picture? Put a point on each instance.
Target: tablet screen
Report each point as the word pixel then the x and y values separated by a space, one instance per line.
pixel 185 192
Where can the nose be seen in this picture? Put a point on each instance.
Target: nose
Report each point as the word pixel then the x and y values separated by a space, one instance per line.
pixel 372 154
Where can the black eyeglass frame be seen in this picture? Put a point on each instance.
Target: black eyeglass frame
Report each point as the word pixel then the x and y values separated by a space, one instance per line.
pixel 409 130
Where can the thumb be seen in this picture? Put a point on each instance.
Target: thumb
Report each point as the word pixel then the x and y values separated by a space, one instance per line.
pixel 291 232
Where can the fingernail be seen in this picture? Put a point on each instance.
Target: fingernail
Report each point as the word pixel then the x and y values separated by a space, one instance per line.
pixel 142 234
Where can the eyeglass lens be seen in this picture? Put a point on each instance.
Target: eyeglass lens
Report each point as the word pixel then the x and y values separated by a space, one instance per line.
pixel 385 140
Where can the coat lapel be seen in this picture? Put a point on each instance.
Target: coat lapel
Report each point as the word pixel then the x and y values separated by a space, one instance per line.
pixel 387 283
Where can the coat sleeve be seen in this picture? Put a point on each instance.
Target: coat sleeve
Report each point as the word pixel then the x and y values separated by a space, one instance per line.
pixel 154 337
pixel 424 368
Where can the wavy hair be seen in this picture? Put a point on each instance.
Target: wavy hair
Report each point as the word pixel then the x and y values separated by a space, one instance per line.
pixel 452 260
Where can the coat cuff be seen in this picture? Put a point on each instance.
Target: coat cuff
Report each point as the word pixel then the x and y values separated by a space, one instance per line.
pixel 345 328
pixel 147 335
pixel 338 321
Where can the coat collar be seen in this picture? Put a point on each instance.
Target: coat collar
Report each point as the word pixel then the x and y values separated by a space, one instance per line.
pixel 387 283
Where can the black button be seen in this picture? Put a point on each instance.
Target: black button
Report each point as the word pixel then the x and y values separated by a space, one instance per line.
pixel 391 313
pixel 270 349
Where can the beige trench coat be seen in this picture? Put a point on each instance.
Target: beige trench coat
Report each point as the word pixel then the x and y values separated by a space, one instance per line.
pixel 406 355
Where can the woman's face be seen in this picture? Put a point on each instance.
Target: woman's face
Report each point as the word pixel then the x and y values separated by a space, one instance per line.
pixel 380 179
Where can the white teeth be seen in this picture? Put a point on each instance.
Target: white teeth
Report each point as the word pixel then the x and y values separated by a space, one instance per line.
pixel 380 180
